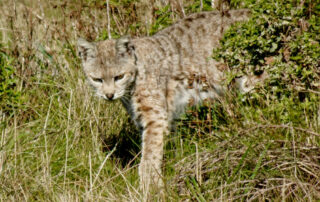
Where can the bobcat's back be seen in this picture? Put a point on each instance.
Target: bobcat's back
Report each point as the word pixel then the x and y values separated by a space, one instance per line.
pixel 197 34
pixel 187 45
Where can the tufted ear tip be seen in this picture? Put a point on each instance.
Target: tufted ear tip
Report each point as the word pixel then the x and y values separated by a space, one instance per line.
pixel 85 49
pixel 124 46
pixel 84 44
pixel 124 39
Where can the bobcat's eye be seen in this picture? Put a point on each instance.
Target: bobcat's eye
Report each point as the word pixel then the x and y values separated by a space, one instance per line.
pixel 98 80
pixel 119 77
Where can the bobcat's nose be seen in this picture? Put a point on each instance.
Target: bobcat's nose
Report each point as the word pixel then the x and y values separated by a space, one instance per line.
pixel 110 96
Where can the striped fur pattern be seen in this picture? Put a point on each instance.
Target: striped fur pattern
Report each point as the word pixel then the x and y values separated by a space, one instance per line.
pixel 156 77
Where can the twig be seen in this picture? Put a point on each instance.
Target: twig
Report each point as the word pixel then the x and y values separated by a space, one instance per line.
pixel 182 9
pixel 213 4
pixel 108 17
pixel 102 165
pixel 115 19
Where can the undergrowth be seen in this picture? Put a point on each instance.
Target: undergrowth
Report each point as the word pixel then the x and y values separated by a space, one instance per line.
pixel 9 94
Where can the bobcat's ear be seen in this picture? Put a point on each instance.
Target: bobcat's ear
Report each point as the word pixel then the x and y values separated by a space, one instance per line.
pixel 124 47
pixel 86 50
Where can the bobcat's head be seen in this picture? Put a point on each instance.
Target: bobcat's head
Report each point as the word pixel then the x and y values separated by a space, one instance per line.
pixel 111 77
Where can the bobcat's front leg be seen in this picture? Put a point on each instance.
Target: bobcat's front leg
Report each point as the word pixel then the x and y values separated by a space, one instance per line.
pixel 153 117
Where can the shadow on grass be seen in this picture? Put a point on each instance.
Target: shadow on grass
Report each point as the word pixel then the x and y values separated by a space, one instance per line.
pixel 127 143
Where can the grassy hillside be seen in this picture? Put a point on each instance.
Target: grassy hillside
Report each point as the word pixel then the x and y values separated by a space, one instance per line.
pixel 60 143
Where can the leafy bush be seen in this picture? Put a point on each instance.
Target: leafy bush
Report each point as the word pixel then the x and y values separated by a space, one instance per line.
pixel 282 38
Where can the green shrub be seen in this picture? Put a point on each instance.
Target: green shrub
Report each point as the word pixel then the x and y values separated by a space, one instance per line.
pixel 282 38
pixel 9 95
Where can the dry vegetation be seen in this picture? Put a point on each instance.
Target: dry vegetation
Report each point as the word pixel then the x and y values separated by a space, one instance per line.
pixel 60 143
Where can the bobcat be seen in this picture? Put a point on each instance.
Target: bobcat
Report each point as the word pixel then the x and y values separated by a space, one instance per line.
pixel 156 77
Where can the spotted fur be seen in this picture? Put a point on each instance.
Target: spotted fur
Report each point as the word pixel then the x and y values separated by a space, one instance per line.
pixel 156 77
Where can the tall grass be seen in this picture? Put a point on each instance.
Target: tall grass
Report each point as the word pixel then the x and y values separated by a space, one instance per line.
pixel 63 144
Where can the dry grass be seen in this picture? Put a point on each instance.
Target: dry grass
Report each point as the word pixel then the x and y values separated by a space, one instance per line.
pixel 282 173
